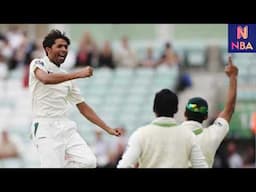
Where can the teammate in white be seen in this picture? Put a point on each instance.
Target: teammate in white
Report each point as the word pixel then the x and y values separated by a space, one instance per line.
pixel 197 111
pixel 163 144
pixel 55 136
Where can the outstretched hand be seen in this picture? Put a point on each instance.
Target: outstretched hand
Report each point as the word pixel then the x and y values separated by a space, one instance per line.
pixel 116 132
pixel 231 69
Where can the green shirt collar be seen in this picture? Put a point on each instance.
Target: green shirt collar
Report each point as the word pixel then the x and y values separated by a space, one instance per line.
pixel 164 122
pixel 195 126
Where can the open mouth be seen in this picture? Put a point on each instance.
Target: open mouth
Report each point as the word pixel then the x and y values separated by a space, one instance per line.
pixel 61 57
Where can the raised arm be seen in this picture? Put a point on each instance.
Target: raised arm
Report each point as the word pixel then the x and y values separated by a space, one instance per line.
pixel 55 78
pixel 89 114
pixel 232 72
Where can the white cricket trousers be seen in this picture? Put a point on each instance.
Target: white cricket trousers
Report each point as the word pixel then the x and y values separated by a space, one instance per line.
pixel 59 144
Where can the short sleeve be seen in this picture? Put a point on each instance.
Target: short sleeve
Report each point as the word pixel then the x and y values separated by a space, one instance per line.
pixel 37 63
pixel 218 131
pixel 221 122
pixel 75 96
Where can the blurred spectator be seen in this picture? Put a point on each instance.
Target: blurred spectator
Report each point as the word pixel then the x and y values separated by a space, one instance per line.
pixel 84 56
pixel 25 79
pixel 184 79
pixel 21 54
pixel 95 55
pixel 10 146
pixel 3 74
pixel 117 149
pixel 3 68
pixel 220 161
pixel 28 47
pixel 100 148
pixel 170 59
pixel 14 36
pixel 234 158
pixel 38 51
pixel 106 58
pixel 2 36
pixel 5 48
pixel 253 123
pixel 125 55
pixel 149 60
pixel 249 158
pixel 167 48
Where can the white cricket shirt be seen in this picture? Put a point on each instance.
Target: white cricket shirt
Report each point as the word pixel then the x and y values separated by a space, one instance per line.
pixel 209 138
pixel 51 100
pixel 162 144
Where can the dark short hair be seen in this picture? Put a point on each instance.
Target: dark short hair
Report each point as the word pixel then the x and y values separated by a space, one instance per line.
pixel 165 103
pixel 197 109
pixel 54 34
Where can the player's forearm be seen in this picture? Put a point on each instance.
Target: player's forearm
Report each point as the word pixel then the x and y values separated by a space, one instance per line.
pixel 89 114
pixel 232 95
pixel 231 99
pixel 54 78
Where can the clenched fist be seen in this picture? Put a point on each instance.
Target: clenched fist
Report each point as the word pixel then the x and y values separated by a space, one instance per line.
pixel 116 131
pixel 85 72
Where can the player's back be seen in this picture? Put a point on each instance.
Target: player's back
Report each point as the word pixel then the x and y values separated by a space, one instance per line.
pixel 165 146
pixel 209 138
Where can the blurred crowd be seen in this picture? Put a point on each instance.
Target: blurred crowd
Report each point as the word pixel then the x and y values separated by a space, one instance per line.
pixel 108 152
pixel 235 153
pixel 17 50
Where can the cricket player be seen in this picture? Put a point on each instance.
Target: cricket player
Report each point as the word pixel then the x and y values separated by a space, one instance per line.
pixel 197 111
pixel 163 144
pixel 54 135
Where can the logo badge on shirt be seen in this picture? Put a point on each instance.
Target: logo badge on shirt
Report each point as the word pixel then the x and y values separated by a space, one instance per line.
pixel 39 62
pixel 218 124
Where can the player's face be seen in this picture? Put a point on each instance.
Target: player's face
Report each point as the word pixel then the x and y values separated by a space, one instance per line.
pixel 58 52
